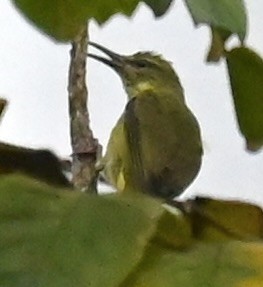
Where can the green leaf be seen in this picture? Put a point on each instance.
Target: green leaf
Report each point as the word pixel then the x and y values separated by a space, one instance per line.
pixel 55 237
pixel 226 248
pixel 228 264
pixel 159 7
pixel 217 48
pixel 217 220
pixel 225 17
pixel 229 15
pixel 62 19
pixel 245 70
pixel 173 229
pixel 51 237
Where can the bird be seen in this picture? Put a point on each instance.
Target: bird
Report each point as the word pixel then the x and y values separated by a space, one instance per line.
pixel 156 146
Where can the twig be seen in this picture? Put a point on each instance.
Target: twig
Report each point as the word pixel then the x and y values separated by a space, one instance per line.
pixel 84 146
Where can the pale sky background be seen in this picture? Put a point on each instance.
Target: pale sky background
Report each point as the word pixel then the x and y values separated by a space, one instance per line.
pixel 33 77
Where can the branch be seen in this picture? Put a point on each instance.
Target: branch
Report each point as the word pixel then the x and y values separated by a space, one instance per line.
pixel 84 146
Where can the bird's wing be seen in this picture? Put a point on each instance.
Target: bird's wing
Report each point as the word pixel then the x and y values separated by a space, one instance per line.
pixel 153 131
pixel 133 140
pixel 140 116
pixel 112 160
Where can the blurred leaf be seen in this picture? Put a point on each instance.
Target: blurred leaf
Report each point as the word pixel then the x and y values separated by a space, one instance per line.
pixel 159 7
pixel 216 256
pixel 41 164
pixel 3 104
pixel 229 15
pixel 62 19
pixel 51 237
pixel 225 17
pixel 228 264
pixel 55 237
pixel 173 229
pixel 245 70
pixel 217 48
pixel 216 220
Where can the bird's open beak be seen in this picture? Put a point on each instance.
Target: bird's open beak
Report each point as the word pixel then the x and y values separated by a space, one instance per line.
pixel 116 61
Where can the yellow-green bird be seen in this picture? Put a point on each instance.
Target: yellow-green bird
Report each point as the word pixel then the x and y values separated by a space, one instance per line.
pixel 155 147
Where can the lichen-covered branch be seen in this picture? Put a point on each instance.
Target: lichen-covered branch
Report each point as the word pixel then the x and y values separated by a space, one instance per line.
pixel 84 146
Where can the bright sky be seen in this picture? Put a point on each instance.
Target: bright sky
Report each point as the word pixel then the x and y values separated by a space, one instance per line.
pixel 33 77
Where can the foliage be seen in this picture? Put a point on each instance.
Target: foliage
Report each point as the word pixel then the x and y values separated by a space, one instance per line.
pixel 247 93
pixel 224 14
pixel 53 236
pixel 62 20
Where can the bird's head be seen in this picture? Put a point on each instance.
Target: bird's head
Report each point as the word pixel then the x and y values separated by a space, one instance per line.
pixel 140 72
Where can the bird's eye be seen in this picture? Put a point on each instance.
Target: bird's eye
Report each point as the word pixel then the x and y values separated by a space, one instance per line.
pixel 141 64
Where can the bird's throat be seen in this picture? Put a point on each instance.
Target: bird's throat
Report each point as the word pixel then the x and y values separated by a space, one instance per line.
pixel 139 89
